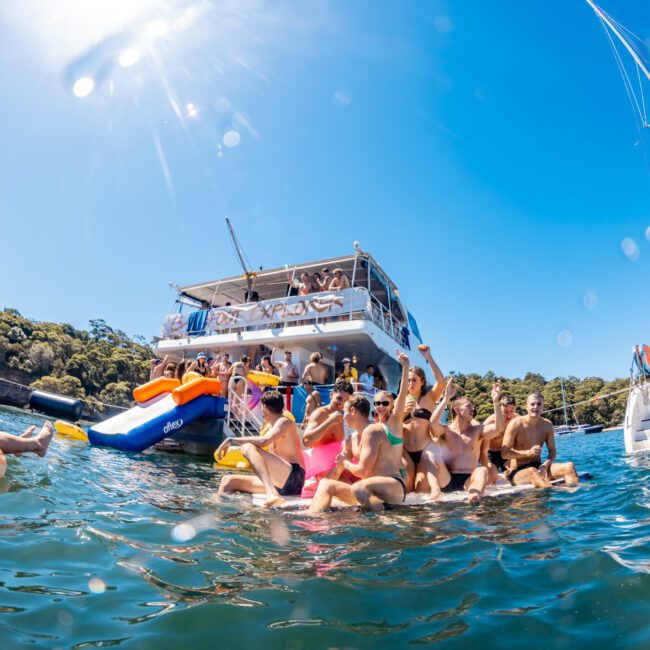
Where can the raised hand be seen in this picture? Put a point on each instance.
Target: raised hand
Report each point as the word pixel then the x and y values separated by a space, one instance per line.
pixel 450 389
pixel 496 390
pixel 403 358
pixel 425 349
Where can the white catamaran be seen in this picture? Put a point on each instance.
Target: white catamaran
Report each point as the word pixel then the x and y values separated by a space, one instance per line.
pixel 636 428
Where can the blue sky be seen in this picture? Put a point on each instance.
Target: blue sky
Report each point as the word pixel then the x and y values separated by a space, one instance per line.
pixel 485 153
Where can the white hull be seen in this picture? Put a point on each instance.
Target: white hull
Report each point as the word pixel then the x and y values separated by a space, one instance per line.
pixel 637 419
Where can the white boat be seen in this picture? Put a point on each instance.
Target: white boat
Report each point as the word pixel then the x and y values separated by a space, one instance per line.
pixel 636 427
pixel 367 322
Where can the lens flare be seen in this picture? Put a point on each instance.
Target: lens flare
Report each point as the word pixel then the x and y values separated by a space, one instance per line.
pixel 129 57
pixel 231 139
pixel 590 300
pixel 96 586
pixel 83 87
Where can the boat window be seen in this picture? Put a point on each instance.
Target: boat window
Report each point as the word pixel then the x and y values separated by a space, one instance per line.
pixel 414 327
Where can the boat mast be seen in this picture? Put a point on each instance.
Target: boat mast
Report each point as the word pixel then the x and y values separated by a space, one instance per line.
pixel 605 18
pixel 240 254
pixel 566 422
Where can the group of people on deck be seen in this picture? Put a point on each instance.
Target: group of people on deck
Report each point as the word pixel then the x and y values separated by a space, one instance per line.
pixel 399 444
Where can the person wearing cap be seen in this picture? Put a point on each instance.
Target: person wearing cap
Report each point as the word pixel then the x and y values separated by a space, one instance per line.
pixel 348 372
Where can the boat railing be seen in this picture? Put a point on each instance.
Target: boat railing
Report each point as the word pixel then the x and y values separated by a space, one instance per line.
pixel 355 303
pixel 240 419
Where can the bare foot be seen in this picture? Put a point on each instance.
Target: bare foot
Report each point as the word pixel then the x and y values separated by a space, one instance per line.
pixel 272 501
pixel 474 496
pixel 435 494
pixel 44 438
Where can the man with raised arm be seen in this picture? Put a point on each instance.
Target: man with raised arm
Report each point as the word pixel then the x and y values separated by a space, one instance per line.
pixel 491 456
pixel 279 471
pixel 462 441
pixel 523 442
pixel 288 369
pixel 325 424
pixel 379 465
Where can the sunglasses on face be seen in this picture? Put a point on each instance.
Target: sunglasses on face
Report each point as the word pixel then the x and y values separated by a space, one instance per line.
pixel 384 403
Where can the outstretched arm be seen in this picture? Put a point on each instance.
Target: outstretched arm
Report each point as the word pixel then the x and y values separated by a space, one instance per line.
pixel 437 428
pixel 495 427
pixel 439 386
pixel 400 402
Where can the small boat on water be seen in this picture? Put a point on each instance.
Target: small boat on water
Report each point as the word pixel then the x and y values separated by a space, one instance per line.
pixel 566 428
pixel 636 427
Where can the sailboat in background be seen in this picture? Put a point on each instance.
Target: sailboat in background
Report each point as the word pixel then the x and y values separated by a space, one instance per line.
pixel 566 428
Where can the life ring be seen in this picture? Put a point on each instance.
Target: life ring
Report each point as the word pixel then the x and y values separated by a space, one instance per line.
pixel 195 388
pixel 233 459
pixel 69 430
pixel 263 378
pixel 154 388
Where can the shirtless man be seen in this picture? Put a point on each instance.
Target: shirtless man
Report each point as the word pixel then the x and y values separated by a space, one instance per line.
pixel 523 442
pixel 340 281
pixel 278 472
pixel 461 440
pixel 325 424
pixel 379 462
pixel 313 401
pixel 17 445
pixel 315 370
pixel 491 449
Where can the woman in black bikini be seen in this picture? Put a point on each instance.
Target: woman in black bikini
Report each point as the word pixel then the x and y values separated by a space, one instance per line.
pixel 417 435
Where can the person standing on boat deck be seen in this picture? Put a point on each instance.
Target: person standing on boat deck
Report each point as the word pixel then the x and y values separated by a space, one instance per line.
pixel 312 402
pixel 288 370
pixel 279 471
pixel 325 424
pixel 200 366
pixel 367 379
pixel 327 279
pixel 221 371
pixel 340 281
pixel 461 440
pixel 157 368
pixel 260 352
pixel 267 366
pixel 305 284
pixel 380 453
pixel 348 372
pixel 491 449
pixel 315 370
pixel 523 442
pixel 417 414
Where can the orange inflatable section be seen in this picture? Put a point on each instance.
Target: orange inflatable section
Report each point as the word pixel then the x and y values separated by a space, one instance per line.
pixel 153 388
pixel 195 388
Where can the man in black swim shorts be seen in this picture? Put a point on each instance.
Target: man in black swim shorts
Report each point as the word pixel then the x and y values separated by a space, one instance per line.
pixel 279 471
pixel 491 449
pixel 523 442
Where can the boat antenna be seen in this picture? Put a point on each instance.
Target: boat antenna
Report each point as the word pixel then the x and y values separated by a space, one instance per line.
pixel 248 274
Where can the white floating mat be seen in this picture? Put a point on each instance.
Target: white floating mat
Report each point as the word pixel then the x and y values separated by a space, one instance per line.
pixel 501 489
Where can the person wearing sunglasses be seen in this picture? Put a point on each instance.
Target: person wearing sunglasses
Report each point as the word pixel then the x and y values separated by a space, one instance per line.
pixel 461 440
pixel 379 462
pixel 325 424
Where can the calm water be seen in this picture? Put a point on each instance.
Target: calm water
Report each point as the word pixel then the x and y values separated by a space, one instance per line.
pixel 96 552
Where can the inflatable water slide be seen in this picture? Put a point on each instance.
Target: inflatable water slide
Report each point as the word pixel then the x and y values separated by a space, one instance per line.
pixel 164 407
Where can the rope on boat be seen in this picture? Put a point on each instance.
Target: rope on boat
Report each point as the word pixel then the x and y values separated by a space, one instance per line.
pixel 587 401
pixel 91 402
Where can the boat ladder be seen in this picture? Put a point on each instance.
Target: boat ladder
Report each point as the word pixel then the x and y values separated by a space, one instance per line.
pixel 240 419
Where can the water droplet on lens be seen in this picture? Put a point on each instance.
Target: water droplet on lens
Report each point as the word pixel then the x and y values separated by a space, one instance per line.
pixel 231 139
pixel 96 586
pixel 83 87
pixel 647 233
pixel 222 105
pixel 630 249
pixel 342 98
pixel 443 24
pixel 183 532
pixel 65 618
pixel 564 338
pixel 590 300
pixel 192 111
